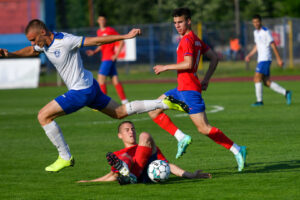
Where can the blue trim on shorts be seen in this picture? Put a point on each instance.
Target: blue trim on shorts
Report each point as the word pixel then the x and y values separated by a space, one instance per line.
pixel 263 67
pixel 74 100
pixel 108 68
pixel 192 98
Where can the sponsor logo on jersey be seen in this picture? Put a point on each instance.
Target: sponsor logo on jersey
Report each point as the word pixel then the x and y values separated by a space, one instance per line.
pixel 57 53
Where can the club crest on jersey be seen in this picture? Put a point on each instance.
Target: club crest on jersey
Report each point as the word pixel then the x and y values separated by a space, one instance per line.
pixel 57 53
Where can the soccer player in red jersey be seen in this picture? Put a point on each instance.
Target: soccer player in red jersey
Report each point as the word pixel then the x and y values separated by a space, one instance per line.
pixel 109 58
pixel 137 158
pixel 189 89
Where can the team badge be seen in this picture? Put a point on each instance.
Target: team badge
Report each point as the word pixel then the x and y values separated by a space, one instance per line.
pixel 57 53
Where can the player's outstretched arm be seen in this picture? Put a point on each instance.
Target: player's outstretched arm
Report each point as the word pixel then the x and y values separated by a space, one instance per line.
pixel 96 41
pixel 278 58
pixel 177 171
pixel 25 52
pixel 111 176
pixel 187 63
pixel 211 55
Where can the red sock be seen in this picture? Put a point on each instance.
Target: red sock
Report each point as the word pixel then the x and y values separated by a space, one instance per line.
pixel 140 159
pixel 219 137
pixel 120 91
pixel 165 123
pixel 103 88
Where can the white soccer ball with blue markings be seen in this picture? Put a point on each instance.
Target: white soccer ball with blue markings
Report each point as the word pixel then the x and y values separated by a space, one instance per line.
pixel 159 171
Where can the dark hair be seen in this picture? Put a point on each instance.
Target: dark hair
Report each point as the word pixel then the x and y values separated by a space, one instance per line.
pixel 256 16
pixel 36 24
pixel 102 15
pixel 124 122
pixel 178 12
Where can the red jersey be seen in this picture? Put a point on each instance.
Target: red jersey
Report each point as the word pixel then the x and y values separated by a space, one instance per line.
pixel 108 50
pixel 127 155
pixel 190 45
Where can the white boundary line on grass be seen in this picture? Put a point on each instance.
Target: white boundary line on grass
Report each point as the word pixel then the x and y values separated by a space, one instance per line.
pixel 215 109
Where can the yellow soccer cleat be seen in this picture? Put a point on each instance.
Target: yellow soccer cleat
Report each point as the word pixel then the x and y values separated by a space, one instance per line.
pixel 60 164
pixel 175 104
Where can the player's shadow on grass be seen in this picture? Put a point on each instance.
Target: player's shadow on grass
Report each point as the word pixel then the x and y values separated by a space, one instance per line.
pixel 264 167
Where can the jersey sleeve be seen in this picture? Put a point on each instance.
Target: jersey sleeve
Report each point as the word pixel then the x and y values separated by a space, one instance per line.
pixel 74 42
pixel 187 47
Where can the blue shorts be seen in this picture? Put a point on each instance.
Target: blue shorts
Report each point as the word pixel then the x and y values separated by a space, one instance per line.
pixel 263 67
pixel 74 100
pixel 192 98
pixel 108 68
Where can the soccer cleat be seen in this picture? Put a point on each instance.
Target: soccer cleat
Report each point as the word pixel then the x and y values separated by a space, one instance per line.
pixel 288 97
pixel 124 180
pixel 182 145
pixel 118 164
pixel 175 104
pixel 60 164
pixel 258 103
pixel 241 158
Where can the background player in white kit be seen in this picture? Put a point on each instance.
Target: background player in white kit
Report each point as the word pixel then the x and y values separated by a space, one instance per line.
pixel 62 49
pixel 263 41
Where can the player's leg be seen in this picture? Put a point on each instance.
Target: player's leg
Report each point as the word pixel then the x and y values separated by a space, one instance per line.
pixel 103 72
pixel 277 88
pixel 258 89
pixel 119 88
pixel 46 118
pixel 117 84
pixel 163 120
pixel 201 122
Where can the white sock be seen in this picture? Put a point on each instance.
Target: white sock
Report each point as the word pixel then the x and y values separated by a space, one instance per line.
pixel 55 135
pixel 179 135
pixel 136 107
pixel 124 101
pixel 258 91
pixel 277 88
pixel 235 149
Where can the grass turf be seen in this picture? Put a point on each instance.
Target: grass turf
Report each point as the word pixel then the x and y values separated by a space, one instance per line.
pixel 271 134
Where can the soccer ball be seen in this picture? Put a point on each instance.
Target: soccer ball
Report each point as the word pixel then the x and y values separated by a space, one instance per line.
pixel 158 171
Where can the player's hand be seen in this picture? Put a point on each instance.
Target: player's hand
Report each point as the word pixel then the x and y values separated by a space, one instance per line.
pixel 133 33
pixel 204 85
pixel 247 59
pixel 114 57
pixel 280 62
pixel 199 174
pixel 159 68
pixel 89 52
pixel 3 53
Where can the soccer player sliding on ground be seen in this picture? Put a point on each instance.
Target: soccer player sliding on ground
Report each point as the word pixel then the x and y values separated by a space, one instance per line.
pixel 130 164
pixel 189 89
pixel 62 50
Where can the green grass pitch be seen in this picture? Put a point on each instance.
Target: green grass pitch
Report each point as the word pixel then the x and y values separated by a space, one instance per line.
pixel 271 133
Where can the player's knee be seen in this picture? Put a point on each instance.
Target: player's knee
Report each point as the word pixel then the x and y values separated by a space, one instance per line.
pixel 42 118
pixel 203 130
pixel 145 139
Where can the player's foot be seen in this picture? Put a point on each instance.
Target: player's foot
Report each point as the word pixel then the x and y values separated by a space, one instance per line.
pixel 118 164
pixel 288 97
pixel 175 104
pixel 182 145
pixel 123 180
pixel 241 158
pixel 258 103
pixel 60 164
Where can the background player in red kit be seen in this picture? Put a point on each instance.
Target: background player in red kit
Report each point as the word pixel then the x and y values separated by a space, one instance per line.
pixel 189 88
pixel 138 156
pixel 110 53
